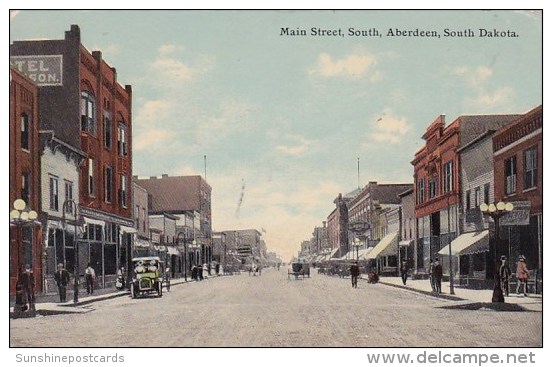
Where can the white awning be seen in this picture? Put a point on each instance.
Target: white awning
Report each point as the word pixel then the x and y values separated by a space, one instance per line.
pixel 334 252
pixel 94 221
pixel 385 247
pixel 173 251
pixel 468 243
pixel 125 229
pixel 363 254
pixel 141 243
pixel 405 243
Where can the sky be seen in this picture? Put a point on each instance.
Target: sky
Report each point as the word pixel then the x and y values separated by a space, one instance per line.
pixel 283 119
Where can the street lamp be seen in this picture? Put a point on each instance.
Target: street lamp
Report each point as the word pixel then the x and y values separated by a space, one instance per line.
pixel 21 217
pixel 178 237
pixel 496 211
pixel 69 206
pixel 356 245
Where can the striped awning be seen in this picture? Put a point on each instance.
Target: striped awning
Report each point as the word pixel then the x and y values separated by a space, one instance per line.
pixel 468 243
pixel 385 247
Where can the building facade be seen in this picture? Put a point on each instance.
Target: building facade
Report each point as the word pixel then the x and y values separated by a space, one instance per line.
pixel 82 101
pixel 24 162
pixel 518 178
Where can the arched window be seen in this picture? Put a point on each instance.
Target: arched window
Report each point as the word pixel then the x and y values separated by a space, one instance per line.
pixel 25 131
pixel 88 113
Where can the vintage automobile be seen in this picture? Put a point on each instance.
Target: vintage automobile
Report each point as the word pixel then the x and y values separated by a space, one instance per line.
pixel 148 276
pixel 299 269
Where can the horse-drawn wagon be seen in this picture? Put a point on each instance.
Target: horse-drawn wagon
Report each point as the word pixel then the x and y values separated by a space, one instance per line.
pixel 299 269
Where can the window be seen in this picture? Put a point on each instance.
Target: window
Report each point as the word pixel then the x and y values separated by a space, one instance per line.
pixel 54 193
pixel 137 216
pixel 421 188
pixel 448 177
pixel 69 195
pixel 25 189
pixel 530 157
pixel 88 113
pixel 123 192
pixel 25 127
pixel 432 187
pixel 510 175
pixel 122 142
pixel 477 197
pixel 468 200
pixel 108 184
pixel 107 129
pixel 144 217
pixel 487 193
pixel 90 177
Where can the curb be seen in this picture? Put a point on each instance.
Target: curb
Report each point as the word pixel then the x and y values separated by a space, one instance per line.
pixel 428 293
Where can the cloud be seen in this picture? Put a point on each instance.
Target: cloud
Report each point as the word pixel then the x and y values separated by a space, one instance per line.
pixel 351 66
pixel 388 128
pixel 483 99
pixel 148 133
pixel 300 145
pixel 170 69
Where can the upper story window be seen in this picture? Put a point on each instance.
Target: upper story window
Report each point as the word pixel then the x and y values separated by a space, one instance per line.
pixel 468 200
pixel 123 192
pixel 108 184
pixel 54 193
pixel 90 176
pixel 487 193
pixel 25 131
pixel 69 195
pixel 510 175
pixel 477 197
pixel 421 189
pixel 531 170
pixel 448 177
pixel 25 187
pixel 88 113
pixel 108 126
pixel 432 187
pixel 122 140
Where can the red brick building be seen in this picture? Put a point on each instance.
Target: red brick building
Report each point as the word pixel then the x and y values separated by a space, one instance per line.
pixel 518 178
pixel 436 187
pixel 82 102
pixel 24 163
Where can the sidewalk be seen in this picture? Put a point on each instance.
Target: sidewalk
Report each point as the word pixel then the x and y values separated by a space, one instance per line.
pixel 533 302
pixel 48 304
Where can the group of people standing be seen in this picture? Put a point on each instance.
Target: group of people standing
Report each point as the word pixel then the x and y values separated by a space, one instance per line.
pixel 522 275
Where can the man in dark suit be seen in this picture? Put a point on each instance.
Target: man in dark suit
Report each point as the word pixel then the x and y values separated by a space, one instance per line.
pixel 61 277
pixel 437 274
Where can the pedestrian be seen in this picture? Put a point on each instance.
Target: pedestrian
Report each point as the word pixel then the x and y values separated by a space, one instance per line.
pixel 431 277
pixel 25 289
pixel 522 274
pixel 355 272
pixel 61 277
pixel 194 273
pixel 437 275
pixel 121 281
pixel 404 271
pixel 90 275
pixel 217 268
pixel 200 272
pixel 168 278
pixel 504 273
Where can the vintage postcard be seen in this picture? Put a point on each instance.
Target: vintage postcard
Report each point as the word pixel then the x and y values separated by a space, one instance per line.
pixel 276 178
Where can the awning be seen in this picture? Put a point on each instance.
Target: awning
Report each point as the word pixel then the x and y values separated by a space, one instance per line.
pixel 385 247
pixel 125 229
pixel 173 251
pixel 363 254
pixel 94 221
pixel 141 243
pixel 405 243
pixel 468 243
pixel 334 252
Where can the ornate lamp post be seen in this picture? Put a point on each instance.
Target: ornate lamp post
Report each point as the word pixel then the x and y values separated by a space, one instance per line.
pixel 21 217
pixel 179 236
pixel 69 206
pixel 356 245
pixel 496 211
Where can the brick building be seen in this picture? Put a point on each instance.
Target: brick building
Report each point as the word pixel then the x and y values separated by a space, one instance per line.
pixel 82 102
pixel 24 162
pixel 518 178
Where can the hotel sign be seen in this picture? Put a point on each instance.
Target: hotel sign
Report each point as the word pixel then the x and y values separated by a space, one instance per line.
pixel 44 70
pixel 519 216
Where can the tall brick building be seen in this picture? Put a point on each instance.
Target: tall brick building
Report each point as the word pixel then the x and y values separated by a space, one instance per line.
pixel 25 236
pixel 82 102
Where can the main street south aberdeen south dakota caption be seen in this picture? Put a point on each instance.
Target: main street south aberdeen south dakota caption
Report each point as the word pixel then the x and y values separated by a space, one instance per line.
pixel 397 32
